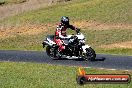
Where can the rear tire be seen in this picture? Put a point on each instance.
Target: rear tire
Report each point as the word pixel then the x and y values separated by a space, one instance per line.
pixel 49 52
pixel 52 53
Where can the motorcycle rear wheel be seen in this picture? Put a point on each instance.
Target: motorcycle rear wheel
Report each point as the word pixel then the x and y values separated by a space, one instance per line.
pixel 52 53
pixel 49 52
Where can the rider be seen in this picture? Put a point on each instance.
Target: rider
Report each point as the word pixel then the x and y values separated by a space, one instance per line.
pixel 60 33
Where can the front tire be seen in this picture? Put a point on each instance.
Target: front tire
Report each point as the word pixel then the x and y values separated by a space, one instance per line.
pixel 90 54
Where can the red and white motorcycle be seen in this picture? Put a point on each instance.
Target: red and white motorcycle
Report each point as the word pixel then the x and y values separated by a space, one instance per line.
pixel 75 48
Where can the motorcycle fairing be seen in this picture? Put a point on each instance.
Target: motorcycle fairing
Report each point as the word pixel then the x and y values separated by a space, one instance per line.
pixel 84 47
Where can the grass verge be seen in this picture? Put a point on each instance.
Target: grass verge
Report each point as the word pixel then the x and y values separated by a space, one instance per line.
pixel 33 75
pixel 118 51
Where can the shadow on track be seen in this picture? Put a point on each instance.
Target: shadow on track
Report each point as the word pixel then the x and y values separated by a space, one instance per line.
pixel 74 59
pixel 100 59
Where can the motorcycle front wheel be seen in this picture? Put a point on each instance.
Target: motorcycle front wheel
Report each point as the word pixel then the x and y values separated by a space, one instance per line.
pixel 90 54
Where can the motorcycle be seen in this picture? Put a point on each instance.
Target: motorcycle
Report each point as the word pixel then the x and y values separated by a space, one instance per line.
pixel 75 47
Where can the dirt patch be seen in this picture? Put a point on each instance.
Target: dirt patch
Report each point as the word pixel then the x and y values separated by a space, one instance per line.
pixel 30 29
pixel 14 9
pixel 28 5
pixel 101 26
pixel 127 44
pixel 60 1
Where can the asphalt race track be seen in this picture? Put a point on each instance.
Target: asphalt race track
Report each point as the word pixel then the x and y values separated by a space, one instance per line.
pixel 110 62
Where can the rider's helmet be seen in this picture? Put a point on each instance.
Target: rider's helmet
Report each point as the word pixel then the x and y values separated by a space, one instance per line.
pixel 65 20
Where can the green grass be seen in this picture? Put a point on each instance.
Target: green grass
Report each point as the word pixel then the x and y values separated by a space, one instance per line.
pixel 97 10
pixel 25 42
pixel 33 75
pixel 100 37
pixel 22 43
pixel 117 51
pixel 97 38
